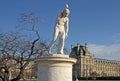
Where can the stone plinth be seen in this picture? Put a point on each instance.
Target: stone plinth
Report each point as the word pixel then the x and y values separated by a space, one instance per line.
pixel 55 67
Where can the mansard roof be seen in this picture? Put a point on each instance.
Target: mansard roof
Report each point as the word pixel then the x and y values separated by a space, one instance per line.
pixel 100 60
pixel 79 50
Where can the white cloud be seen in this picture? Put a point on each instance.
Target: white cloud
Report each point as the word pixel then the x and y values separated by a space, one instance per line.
pixel 111 52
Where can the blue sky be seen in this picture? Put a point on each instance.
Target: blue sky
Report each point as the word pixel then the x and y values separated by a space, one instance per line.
pixel 96 22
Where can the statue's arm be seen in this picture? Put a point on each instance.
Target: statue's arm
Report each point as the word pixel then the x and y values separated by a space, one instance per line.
pixel 58 16
pixel 67 27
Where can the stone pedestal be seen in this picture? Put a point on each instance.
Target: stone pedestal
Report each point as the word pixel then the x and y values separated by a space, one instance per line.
pixel 55 67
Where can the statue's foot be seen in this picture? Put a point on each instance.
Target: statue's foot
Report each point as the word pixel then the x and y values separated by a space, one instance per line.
pixel 49 50
pixel 59 52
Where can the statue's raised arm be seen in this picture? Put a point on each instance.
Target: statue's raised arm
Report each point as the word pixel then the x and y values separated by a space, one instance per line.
pixel 60 30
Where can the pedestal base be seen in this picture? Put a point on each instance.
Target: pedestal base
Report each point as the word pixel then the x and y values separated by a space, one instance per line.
pixel 55 67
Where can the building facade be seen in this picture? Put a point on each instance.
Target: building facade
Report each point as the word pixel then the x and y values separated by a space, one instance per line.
pixel 88 66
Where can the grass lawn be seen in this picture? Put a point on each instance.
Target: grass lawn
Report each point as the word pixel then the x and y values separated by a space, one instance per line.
pixel 79 80
pixel 100 80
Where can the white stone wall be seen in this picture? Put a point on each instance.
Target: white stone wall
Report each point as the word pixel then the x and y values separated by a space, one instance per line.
pixel 55 68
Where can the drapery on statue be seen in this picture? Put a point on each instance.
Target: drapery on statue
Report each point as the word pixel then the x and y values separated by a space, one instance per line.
pixel 61 30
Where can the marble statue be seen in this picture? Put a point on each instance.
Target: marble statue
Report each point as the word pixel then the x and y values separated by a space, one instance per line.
pixel 60 30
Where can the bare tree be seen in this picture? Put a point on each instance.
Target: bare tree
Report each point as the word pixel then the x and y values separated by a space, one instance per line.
pixel 18 52
pixel 94 75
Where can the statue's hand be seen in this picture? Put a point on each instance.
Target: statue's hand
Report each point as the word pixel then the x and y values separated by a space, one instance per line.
pixel 66 35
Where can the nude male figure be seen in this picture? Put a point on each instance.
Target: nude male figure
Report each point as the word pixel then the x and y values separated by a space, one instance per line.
pixel 61 30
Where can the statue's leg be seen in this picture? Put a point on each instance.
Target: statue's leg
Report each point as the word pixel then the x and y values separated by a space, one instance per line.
pixel 61 43
pixel 55 35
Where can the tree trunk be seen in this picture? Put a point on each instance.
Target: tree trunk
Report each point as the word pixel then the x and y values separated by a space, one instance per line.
pixel 19 76
pixel 5 79
pixel 16 79
pixel 4 76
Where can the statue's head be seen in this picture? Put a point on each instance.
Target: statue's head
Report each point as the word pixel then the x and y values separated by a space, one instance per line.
pixel 66 11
